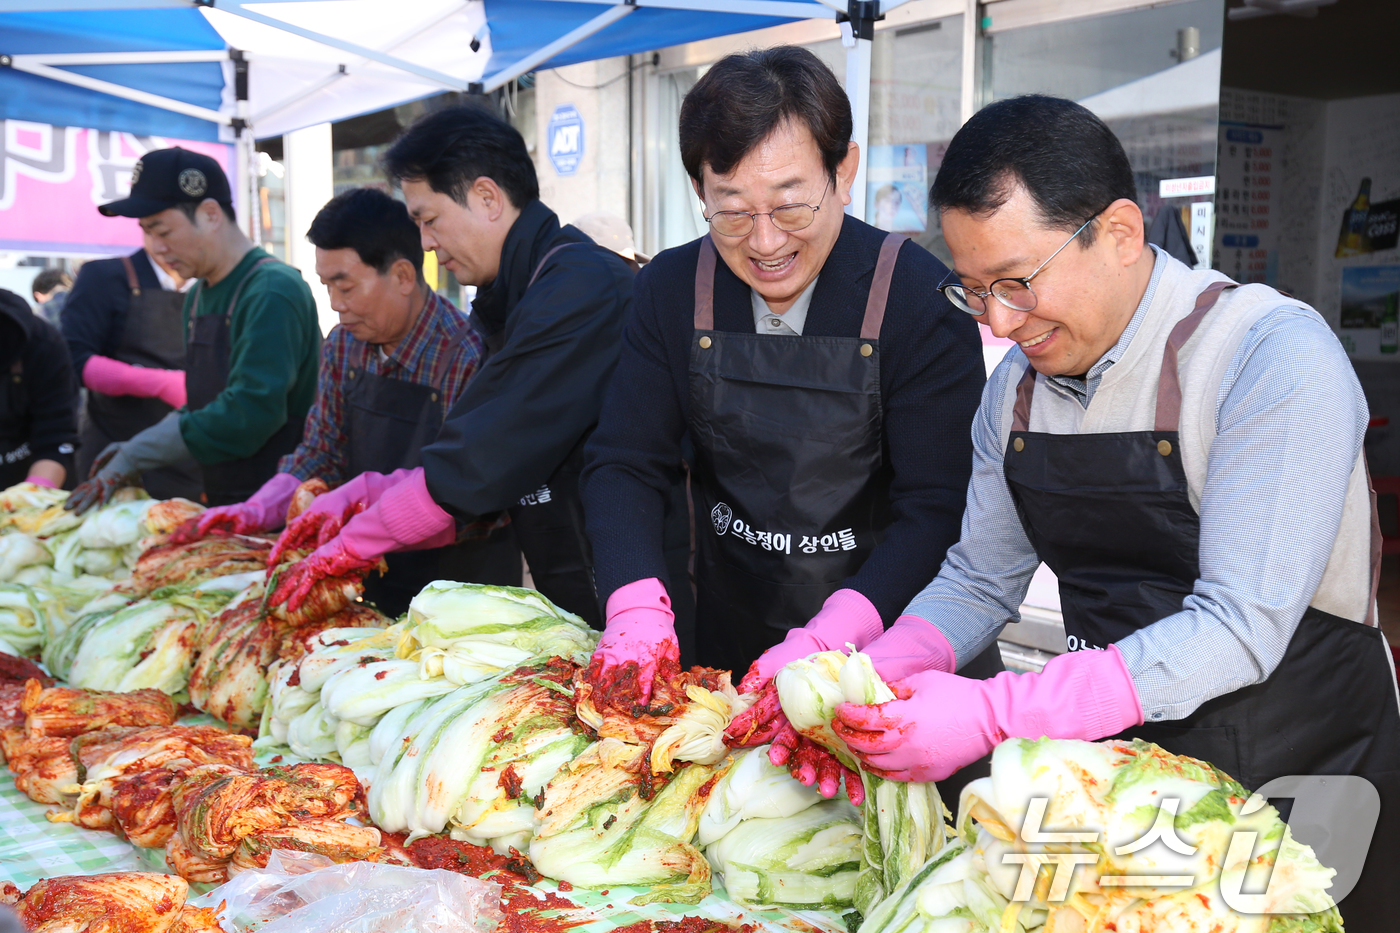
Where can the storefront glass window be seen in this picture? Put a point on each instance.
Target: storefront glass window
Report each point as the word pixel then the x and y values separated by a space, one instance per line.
pixel 915 80
pixel 1153 75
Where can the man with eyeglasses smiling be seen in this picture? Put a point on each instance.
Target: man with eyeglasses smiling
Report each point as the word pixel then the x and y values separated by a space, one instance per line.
pixel 825 389
pixel 1186 455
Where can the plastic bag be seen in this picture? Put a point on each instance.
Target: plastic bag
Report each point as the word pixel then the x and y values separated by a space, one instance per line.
pixel 304 893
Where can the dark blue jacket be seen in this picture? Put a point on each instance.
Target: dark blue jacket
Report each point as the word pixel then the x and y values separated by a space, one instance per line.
pixel 931 376
pixel 95 313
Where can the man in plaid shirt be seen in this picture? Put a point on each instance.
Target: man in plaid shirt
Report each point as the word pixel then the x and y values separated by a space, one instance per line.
pixel 389 373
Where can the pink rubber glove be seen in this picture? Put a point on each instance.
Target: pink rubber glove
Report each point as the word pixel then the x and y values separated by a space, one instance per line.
pixel 640 633
pixel 41 481
pixel 113 377
pixel 264 510
pixel 404 519
pixel 910 646
pixel 942 722
pixel 846 616
pixel 329 511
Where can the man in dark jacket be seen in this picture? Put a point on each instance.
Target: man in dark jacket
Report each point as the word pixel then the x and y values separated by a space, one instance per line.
pixel 825 384
pixel 38 398
pixel 550 305
pixel 124 332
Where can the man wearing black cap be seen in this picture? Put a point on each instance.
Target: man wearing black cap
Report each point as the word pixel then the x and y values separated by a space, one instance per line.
pixel 252 341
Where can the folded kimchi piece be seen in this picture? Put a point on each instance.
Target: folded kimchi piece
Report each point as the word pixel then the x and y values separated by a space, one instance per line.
pixel 304 495
pixel 162 746
pixel 298 642
pixel 312 790
pixel 610 707
pixel 140 750
pixel 192 866
pixel 338 841
pixel 215 807
pixel 168 514
pixel 229 679
pixel 12 738
pixel 198 920
pixel 68 712
pixel 44 769
pixel 142 808
pixel 327 597
pixel 129 902
pixel 185 565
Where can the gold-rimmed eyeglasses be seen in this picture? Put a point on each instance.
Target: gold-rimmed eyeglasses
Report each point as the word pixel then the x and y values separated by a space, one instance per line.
pixel 789 218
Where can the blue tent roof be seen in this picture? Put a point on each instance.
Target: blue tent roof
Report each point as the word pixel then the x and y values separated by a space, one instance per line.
pixel 519 27
pixel 30 97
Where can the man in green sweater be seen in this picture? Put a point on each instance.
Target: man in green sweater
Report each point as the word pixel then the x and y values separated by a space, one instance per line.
pixel 252 340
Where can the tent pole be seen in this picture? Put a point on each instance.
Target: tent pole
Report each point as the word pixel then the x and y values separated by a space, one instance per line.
pixel 245 149
pixel 858 34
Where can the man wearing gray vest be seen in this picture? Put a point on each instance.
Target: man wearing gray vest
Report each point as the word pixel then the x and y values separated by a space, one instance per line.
pixel 1186 455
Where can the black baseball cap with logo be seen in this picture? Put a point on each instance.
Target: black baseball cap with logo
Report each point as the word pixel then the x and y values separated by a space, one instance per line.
pixel 164 178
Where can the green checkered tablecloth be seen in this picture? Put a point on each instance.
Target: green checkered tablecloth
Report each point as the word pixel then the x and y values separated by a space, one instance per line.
pixel 32 847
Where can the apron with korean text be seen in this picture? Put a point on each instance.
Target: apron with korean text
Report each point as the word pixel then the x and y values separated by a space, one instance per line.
pixel 790 481
pixel 1110 514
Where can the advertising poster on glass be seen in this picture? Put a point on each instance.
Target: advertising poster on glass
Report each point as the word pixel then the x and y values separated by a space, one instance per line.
pixel 897 188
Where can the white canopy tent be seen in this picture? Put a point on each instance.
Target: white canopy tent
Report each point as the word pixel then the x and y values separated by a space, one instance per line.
pixel 290 64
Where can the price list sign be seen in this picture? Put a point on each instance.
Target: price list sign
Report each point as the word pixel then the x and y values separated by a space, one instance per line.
pixel 1246 187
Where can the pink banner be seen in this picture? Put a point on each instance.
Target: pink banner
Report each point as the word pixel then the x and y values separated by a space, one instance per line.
pixel 52 178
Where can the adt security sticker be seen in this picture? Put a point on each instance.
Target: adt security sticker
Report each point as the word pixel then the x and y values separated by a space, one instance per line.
pixel 566 139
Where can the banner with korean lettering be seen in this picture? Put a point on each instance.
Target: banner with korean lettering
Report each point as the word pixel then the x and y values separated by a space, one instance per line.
pixel 53 177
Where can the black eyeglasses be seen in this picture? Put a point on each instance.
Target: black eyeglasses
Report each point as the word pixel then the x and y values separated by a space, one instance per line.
pixel 789 218
pixel 1016 294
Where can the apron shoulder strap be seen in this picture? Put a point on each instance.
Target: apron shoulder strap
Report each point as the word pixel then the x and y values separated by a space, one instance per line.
pixel 544 259
pixel 131 281
pixel 880 286
pixel 238 291
pixel 705 286
pixel 1021 413
pixel 1169 383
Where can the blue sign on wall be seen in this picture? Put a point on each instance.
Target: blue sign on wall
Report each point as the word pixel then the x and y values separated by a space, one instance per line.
pixel 565 139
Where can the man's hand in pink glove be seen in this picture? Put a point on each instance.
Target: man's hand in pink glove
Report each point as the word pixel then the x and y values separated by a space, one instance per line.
pixel 942 722
pixel 404 519
pixel 808 762
pixel 263 511
pixel 846 616
pixel 640 634
pixel 910 646
pixel 113 377
pixel 329 512
pixel 335 559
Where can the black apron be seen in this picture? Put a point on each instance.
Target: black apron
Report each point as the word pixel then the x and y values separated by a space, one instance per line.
pixel 549 527
pixel 150 337
pixel 1111 516
pixel 790 482
pixel 207 368
pixel 15 454
pixel 390 421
